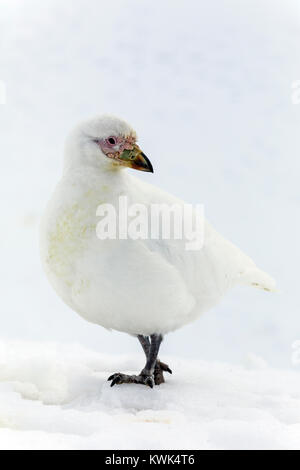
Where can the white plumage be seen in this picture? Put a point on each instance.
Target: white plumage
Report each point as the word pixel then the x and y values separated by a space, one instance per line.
pixel 135 286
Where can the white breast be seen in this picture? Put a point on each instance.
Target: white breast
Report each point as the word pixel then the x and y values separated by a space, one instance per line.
pixel 139 287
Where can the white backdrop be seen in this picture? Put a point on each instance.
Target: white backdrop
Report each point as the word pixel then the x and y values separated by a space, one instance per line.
pixel 207 86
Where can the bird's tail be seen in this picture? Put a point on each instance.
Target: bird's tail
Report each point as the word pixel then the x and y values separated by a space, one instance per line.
pixel 256 278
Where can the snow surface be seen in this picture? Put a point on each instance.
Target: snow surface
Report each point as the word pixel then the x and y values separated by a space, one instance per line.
pixel 217 73
pixel 58 397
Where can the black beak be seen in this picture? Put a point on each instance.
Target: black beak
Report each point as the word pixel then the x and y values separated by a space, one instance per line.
pixel 146 164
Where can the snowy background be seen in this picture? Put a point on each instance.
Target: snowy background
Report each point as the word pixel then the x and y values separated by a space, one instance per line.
pixel 207 86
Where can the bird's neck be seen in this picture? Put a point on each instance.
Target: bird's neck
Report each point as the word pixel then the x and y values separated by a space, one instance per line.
pixel 88 178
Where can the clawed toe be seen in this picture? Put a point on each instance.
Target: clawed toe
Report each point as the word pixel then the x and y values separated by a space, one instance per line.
pixel 118 379
pixel 164 367
pixel 160 368
pixel 148 380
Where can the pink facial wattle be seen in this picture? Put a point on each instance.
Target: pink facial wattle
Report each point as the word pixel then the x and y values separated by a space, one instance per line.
pixel 113 146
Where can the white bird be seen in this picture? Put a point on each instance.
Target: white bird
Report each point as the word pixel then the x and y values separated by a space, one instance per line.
pixel 144 287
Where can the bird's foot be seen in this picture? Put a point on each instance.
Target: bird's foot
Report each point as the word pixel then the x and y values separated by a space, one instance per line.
pixel 143 379
pixel 160 368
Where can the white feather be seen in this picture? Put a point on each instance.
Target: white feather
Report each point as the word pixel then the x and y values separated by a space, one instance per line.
pixel 139 287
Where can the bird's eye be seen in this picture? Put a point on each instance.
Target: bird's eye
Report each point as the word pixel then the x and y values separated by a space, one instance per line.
pixel 111 140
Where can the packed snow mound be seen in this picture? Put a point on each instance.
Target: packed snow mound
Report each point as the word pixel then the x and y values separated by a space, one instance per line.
pixel 57 397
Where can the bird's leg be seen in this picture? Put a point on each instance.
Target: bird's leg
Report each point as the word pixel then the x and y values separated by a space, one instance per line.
pixel 152 354
pixel 160 367
pixel 147 375
pixel 145 343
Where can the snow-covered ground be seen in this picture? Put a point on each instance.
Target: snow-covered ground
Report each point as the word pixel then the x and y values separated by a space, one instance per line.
pixel 57 397
pixel 207 85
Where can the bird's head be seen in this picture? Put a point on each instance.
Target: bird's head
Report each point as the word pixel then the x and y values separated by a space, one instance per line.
pixel 105 142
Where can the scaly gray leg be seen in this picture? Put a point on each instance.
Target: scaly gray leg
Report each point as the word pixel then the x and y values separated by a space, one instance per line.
pixel 160 367
pixel 145 342
pixel 146 377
